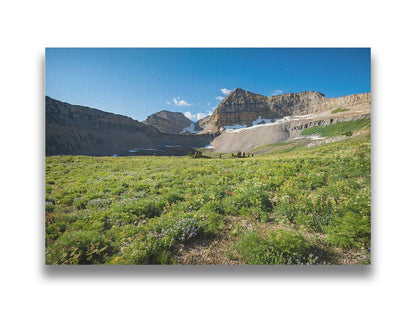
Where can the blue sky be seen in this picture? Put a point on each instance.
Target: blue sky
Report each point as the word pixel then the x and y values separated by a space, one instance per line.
pixel 139 82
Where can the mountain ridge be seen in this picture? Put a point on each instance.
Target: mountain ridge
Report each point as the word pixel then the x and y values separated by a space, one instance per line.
pixel 80 130
pixel 242 107
pixel 75 129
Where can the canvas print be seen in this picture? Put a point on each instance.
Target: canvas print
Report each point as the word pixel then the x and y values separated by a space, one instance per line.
pixel 220 156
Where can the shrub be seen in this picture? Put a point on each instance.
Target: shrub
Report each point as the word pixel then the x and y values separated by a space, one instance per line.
pixel 49 206
pixel 212 220
pixel 55 229
pixel 247 202
pixel 79 247
pixel 352 229
pixel 80 202
pixel 212 206
pixel 173 197
pixel 280 247
pixel 148 207
pixel 286 208
pixel 154 246
pixel 118 190
pixel 98 203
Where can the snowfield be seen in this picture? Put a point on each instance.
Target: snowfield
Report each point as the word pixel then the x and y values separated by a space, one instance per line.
pixel 259 122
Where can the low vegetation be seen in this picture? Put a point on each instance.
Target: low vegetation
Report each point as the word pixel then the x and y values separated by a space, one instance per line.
pixel 298 206
pixel 338 128
pixel 339 110
pixel 278 247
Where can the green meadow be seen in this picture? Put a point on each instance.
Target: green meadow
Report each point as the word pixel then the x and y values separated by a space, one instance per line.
pixel 289 205
pixel 345 127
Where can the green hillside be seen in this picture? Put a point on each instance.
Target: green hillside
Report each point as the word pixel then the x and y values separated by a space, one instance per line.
pixel 338 128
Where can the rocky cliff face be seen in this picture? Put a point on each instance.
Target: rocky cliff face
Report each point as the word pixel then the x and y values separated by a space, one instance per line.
pixel 168 122
pixel 242 107
pixel 79 130
pixel 239 107
pixel 294 103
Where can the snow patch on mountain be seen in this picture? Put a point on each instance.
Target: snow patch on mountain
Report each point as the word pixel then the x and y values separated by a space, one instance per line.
pixel 235 127
pixel 189 129
pixel 261 122
pixel 253 127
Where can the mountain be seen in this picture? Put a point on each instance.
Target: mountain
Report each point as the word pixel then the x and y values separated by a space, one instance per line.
pixel 247 139
pixel 301 110
pixel 243 108
pixel 169 122
pixel 79 130
pixel 242 122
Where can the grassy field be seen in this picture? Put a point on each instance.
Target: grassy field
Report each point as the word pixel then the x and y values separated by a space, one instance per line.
pixel 295 206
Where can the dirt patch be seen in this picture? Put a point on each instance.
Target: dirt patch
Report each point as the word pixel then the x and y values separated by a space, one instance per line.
pixel 213 250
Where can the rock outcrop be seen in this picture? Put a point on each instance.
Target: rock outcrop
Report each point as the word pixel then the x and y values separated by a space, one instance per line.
pixel 79 130
pixel 242 107
pixel 168 122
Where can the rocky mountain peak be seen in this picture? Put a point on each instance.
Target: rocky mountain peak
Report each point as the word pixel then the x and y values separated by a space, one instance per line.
pixel 240 100
pixel 241 93
pixel 238 91
pixel 242 108
pixel 169 122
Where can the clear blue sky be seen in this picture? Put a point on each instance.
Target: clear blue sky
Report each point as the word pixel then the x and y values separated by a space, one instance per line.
pixel 139 82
